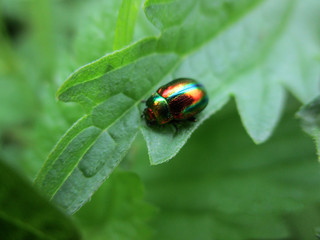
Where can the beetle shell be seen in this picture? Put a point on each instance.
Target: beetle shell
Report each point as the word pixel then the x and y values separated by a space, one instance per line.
pixel 179 99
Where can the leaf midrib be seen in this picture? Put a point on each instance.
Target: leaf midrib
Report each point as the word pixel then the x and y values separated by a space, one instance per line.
pixel 106 129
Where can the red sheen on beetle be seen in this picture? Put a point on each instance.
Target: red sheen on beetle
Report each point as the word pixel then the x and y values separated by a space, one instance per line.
pixel 179 99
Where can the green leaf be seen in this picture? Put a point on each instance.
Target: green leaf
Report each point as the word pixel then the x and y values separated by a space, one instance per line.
pixel 112 126
pixel 126 23
pixel 306 223
pixel 253 68
pixel 198 41
pixel 117 210
pixel 222 186
pixel 24 214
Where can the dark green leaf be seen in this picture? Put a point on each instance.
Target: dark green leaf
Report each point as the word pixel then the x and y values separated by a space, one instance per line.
pixel 24 214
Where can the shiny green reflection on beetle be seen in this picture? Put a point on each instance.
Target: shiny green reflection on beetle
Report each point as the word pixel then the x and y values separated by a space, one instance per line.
pixel 178 100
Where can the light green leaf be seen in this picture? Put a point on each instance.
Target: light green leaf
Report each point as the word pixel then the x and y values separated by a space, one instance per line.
pixel 115 120
pixel 223 186
pixel 117 210
pixel 243 60
pixel 24 214
pixel 228 46
pixel 126 23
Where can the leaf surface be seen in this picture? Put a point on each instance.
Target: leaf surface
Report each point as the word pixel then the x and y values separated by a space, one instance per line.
pixel 249 68
pixel 253 68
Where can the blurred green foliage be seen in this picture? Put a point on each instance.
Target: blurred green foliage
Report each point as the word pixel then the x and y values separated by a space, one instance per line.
pixel 221 185
pixel 24 214
pixel 118 210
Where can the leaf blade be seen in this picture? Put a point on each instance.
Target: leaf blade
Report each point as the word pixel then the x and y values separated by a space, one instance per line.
pixel 185 50
pixel 233 73
pixel 127 123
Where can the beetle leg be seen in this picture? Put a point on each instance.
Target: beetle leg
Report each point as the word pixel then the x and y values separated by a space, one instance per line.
pixel 193 119
pixel 143 101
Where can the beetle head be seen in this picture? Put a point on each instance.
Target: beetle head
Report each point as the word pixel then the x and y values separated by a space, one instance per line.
pixel 149 116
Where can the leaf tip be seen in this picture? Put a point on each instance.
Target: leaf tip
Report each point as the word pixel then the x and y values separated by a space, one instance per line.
pixel 155 162
pixel 259 137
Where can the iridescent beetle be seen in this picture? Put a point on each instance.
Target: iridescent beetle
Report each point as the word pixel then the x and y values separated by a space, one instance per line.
pixel 180 99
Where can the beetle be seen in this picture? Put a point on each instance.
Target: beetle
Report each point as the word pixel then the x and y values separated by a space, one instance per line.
pixel 178 100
